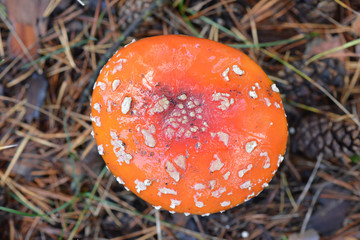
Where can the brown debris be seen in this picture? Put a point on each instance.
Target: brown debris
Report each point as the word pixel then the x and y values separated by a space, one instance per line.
pixel 53 184
pixel 25 21
pixel 317 135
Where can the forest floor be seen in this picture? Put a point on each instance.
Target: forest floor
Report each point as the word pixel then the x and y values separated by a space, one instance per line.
pixel 54 185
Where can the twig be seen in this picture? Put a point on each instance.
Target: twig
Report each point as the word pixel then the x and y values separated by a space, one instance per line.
pixel 297 71
pixel 21 198
pixel 15 158
pixel 47 113
pixel 317 85
pixel 81 3
pixel 174 227
pixel 311 208
pixel 33 226
pixel 198 224
pixel 8 146
pixel 352 84
pixel 346 7
pixel 311 179
pixel 288 191
pixel 51 7
pixel 87 206
pixel 158 224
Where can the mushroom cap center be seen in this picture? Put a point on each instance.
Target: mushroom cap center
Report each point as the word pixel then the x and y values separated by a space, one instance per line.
pixel 188 124
pixel 184 117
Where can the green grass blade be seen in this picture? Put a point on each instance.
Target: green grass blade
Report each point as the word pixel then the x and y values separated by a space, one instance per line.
pixel 117 207
pixel 187 21
pixel 305 107
pixel 318 86
pixel 61 50
pixel 215 24
pixel 349 44
pixel 344 46
pixel 10 210
pixel 192 28
pixel 249 44
pixel 87 206
pixel 34 209
pixel 65 205
pixel 355 159
pixel 3 10
pixel 271 44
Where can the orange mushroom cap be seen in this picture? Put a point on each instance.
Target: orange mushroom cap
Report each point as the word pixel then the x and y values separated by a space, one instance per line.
pixel 187 124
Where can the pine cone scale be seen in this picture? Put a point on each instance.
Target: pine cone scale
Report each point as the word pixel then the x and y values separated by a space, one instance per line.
pixel 319 134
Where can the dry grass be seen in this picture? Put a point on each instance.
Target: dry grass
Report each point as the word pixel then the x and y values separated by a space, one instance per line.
pixel 53 185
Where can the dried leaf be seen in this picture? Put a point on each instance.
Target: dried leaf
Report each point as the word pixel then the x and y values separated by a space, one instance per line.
pixel 35 95
pixel 330 214
pixel 319 45
pixel 24 16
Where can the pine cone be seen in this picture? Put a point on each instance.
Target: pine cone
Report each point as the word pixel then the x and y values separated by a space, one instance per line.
pixel 329 73
pixel 131 10
pixel 318 134
pixel 315 11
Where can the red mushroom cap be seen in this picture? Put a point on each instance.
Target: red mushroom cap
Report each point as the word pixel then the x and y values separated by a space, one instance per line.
pixel 187 124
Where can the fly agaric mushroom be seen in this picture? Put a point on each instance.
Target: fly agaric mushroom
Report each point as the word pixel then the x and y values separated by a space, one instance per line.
pixel 187 124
